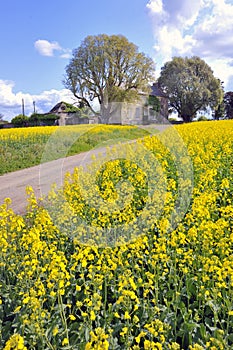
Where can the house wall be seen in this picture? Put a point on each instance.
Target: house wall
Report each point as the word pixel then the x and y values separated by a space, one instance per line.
pixel 62 118
pixel 140 113
pixel 127 113
pixel 132 114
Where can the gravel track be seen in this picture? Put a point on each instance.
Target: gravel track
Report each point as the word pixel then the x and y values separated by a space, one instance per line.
pixel 40 178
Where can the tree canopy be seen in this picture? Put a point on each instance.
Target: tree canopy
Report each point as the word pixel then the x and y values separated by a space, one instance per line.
pixel 109 69
pixel 190 85
pixel 154 102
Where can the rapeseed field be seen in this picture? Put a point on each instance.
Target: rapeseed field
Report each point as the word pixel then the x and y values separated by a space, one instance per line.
pixel 135 252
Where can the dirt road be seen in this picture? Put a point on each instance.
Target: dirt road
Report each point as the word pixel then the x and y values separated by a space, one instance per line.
pixel 40 178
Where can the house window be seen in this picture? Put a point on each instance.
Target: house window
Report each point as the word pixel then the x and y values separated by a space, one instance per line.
pixel 145 111
pixel 138 113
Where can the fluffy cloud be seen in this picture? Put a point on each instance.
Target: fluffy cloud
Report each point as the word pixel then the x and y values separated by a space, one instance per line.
pixel 213 32
pixel 156 6
pixel 200 27
pixel 11 102
pixel 223 69
pixel 172 24
pixel 47 48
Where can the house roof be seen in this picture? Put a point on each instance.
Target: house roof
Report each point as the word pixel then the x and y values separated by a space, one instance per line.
pixel 56 107
pixel 67 107
pixel 156 91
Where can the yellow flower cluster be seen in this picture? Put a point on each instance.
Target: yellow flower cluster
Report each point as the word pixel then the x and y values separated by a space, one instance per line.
pixel 98 340
pixel 15 342
pixel 135 253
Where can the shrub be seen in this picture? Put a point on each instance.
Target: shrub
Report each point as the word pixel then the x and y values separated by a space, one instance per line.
pixel 202 118
pixel 20 120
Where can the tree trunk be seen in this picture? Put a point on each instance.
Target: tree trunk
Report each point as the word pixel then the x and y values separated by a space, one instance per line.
pixel 104 114
pixel 186 118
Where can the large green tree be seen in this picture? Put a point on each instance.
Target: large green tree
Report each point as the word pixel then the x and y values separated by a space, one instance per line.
pixel 190 85
pixel 109 69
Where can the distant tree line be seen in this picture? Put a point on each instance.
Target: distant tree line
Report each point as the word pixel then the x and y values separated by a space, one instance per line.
pixel 36 119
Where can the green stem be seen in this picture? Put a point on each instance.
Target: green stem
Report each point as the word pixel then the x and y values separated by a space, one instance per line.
pixel 63 317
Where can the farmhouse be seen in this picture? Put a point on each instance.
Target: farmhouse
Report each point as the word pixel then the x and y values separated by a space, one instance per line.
pixel 136 113
pixel 68 114
pixel 141 111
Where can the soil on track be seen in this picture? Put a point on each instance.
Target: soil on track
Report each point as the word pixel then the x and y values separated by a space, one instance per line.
pixel 40 178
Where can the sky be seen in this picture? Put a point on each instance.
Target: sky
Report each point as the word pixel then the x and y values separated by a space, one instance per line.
pixel 37 39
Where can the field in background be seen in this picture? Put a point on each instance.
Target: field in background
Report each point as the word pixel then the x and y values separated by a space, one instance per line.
pixel 168 288
pixel 24 147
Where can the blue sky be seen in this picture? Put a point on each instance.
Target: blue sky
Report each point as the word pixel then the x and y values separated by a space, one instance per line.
pixel 37 39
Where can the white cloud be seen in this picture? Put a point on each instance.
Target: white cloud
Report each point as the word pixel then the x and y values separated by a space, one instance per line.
pixel 214 31
pixel 198 27
pixel 11 102
pixel 180 13
pixel 67 53
pixel 188 13
pixel 171 24
pixel 156 6
pixel 223 69
pixel 46 48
